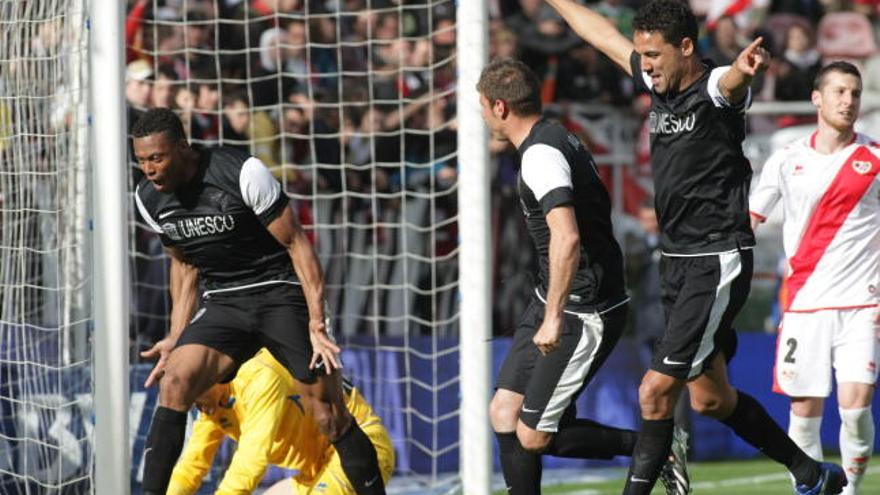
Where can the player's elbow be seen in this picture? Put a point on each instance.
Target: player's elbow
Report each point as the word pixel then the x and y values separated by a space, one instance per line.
pixel 568 242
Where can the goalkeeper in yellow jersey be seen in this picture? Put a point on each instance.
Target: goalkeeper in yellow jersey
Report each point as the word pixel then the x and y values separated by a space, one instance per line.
pixel 261 410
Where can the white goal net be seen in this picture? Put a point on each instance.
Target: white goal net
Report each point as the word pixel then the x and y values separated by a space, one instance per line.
pixel 45 309
pixel 351 103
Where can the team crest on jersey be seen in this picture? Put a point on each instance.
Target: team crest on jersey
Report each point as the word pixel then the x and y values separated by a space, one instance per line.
pixel 861 166
pixel 171 231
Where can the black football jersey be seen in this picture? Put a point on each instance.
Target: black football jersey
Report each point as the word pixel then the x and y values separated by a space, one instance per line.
pixel 557 170
pixel 219 220
pixel 701 176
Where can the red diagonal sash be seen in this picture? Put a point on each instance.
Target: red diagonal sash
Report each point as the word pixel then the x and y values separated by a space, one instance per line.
pixel 843 194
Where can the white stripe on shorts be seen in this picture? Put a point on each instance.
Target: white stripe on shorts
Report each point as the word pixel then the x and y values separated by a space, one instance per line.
pixel 730 266
pixel 575 372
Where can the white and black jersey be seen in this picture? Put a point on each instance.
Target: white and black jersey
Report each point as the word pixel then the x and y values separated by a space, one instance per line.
pixel 701 177
pixel 557 170
pixel 218 221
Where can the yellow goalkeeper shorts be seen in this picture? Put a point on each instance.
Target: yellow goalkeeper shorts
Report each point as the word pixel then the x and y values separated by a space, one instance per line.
pixel 333 481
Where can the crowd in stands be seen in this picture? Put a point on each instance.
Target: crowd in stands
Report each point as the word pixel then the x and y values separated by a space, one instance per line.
pixel 359 96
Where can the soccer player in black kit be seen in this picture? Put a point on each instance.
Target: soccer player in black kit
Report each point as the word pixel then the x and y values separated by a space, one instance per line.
pixel 701 182
pixel 233 237
pixel 578 310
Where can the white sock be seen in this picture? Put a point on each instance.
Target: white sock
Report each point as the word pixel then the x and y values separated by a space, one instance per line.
pixel 856 444
pixel 805 433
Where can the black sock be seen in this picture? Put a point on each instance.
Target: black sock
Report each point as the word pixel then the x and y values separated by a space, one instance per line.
pixel 751 422
pixel 521 468
pixel 586 439
pixel 651 452
pixel 359 461
pixel 164 443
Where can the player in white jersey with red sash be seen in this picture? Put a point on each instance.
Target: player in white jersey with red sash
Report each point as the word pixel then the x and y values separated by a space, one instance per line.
pixel 830 192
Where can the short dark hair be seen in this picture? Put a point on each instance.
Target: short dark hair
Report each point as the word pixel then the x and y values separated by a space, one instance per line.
pixel 836 66
pixel 512 82
pixel 671 18
pixel 159 120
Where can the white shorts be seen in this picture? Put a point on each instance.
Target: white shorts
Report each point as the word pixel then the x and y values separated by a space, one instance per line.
pixel 809 344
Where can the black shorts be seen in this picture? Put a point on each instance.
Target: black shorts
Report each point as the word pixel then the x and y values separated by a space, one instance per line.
pixel 239 323
pixel 551 383
pixel 701 297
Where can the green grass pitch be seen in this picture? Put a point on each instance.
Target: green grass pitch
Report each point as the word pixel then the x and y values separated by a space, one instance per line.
pixel 751 477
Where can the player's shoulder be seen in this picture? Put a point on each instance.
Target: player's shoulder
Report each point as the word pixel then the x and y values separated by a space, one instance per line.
pixel 792 148
pixel 551 138
pixel 548 132
pixel 226 157
pixel 226 166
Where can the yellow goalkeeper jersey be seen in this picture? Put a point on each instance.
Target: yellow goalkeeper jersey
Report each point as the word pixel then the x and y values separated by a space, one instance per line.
pixel 265 416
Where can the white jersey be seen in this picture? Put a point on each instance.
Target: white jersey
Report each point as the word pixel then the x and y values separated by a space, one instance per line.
pixel 831 231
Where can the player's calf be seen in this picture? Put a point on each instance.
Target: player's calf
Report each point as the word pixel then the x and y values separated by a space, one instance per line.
pixel 359 461
pixel 164 443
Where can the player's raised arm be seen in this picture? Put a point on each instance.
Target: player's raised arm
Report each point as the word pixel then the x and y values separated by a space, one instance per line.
pixel 596 30
pixel 751 62
pixel 287 230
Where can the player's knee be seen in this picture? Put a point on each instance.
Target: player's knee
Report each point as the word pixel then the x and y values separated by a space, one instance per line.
pixel 329 423
pixel 175 390
pixel 503 415
pixel 713 406
pixel 533 441
pixel 653 399
pixel 857 422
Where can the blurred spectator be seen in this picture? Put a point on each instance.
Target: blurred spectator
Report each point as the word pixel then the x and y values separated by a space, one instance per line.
pixel 589 76
pixel 207 103
pixel 197 38
pixel 644 276
pixel 798 66
pixel 240 27
pixel 249 130
pixel 138 87
pixel 311 138
pixel 503 44
pixel 725 45
pixel 542 34
pixel 813 10
pixel 185 103
pixel 164 88
pixel 236 121
pixel 621 14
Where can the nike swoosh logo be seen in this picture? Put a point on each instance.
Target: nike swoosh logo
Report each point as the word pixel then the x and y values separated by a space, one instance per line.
pixel 372 481
pixel 147 451
pixel 166 214
pixel 670 362
pixel 638 480
pixel 527 410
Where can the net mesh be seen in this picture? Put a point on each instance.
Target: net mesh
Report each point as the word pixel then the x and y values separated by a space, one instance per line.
pixel 45 381
pixel 351 105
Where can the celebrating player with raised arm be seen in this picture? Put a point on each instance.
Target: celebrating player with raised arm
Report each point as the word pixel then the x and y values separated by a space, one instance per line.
pixel 261 409
pixel 830 192
pixel 701 181
pixel 233 237
pixel 578 310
